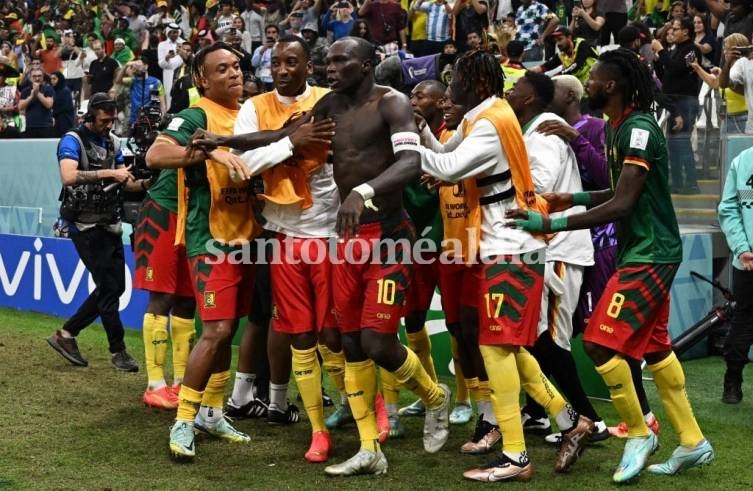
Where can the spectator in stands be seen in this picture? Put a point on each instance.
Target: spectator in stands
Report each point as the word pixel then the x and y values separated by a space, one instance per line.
pixel 167 56
pixel 473 40
pixel 102 70
pixel 240 27
pixel 121 52
pixel 513 68
pixel 143 88
pixel 123 31
pixel 438 23
pixel 233 37
pixel 160 17
pixel 262 58
pixel 575 56
pixel 677 11
pixel 36 103
pixel 205 38
pixel 681 85
pixel 63 110
pixel 6 52
pixel 705 41
pixel 387 24
pixel 225 16
pixel 73 70
pixel 136 21
pixel 254 25
pixel 294 22
pixel 183 93
pixel 587 21
pixel 251 87
pixel 741 79
pixel 9 97
pixel 534 22
pixel 339 20
pixel 361 30
pixel 318 47
pixel 615 18
pixel 738 18
pixel 49 55
pixel 733 93
pixel 470 16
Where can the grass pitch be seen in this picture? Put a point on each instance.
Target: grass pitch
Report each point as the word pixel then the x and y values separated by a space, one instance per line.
pixel 65 427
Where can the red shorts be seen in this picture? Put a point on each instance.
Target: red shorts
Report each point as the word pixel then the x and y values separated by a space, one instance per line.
pixel 458 285
pixel 371 294
pixel 224 290
pixel 423 284
pixel 632 315
pixel 161 266
pixel 510 300
pixel 302 293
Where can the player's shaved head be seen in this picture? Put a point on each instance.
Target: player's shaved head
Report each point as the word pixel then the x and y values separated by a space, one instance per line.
pixel 432 87
pixel 359 48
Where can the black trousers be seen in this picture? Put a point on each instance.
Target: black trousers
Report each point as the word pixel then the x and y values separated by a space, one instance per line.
pixel 102 254
pixel 740 337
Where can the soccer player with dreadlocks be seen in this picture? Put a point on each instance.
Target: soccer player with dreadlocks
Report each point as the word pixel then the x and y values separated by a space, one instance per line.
pixel 489 156
pixel 630 319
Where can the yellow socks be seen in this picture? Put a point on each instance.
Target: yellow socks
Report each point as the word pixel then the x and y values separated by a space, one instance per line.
pixel 473 385
pixel 182 333
pixel 334 364
pixel 420 343
pixel 308 378
pixel 155 348
pixel 413 376
pixel 390 391
pixel 616 374
pixel 361 386
pixel 461 390
pixel 670 381
pixel 535 383
pixel 504 383
pixel 214 394
pixel 188 406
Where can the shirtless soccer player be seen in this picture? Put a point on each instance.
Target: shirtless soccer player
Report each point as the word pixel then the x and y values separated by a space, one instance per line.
pixel 630 319
pixel 222 287
pixel 370 297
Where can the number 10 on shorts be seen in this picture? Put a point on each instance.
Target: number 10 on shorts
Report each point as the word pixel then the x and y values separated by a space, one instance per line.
pixel 386 289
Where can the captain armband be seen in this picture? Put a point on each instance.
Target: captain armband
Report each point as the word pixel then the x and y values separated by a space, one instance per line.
pixel 405 140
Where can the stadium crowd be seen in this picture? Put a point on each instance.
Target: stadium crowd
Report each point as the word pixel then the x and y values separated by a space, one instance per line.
pixel 533 124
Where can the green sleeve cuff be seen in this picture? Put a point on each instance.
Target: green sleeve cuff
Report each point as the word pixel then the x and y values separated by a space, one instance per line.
pixel 558 224
pixel 581 199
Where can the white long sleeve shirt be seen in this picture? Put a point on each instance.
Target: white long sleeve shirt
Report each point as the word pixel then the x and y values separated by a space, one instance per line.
pixel 554 168
pixel 316 221
pixel 479 154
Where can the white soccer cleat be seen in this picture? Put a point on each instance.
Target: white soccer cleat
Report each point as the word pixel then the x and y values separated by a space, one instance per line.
pixel 364 462
pixel 437 423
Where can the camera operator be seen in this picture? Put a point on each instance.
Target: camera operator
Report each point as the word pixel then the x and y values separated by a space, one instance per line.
pixel 92 173
pixel 144 88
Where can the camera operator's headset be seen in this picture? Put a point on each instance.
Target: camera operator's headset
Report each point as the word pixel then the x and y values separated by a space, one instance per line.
pixel 100 100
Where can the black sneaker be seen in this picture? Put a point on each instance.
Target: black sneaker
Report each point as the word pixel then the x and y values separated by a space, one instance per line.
pixel 123 361
pixel 290 416
pixel 68 349
pixel 254 409
pixel 733 392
